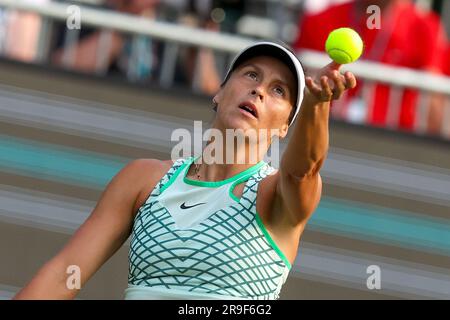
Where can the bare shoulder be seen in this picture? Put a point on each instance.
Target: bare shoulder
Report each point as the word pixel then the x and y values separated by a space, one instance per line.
pixel 148 173
pixel 149 167
pixel 101 234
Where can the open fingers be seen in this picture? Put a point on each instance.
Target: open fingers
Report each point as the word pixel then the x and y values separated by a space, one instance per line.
pixel 327 90
pixel 326 93
pixel 350 80
pixel 313 87
pixel 339 84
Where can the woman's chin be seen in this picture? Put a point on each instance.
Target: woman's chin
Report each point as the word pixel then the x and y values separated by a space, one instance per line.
pixel 242 123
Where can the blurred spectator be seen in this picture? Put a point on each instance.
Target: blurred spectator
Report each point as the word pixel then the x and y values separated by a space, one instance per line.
pixel 133 56
pixel 232 11
pixel 201 8
pixel 447 60
pixel 316 6
pixel 139 57
pixel 136 7
pixel 436 113
pixel 407 38
pixel 197 66
pixel 446 112
pixel 21 34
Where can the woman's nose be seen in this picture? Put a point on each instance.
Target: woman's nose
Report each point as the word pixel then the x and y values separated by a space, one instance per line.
pixel 258 92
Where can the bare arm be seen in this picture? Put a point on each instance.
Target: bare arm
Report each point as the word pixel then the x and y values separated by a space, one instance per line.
pixel 98 238
pixel 299 183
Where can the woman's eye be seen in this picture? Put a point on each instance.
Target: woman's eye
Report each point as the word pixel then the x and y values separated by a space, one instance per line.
pixel 279 91
pixel 252 75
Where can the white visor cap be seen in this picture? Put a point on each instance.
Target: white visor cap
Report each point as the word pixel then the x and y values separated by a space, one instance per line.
pixel 275 50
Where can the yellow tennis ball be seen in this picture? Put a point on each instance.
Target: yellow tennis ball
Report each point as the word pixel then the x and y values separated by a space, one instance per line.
pixel 344 45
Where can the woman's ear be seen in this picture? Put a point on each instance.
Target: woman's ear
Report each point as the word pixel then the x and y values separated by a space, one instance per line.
pixel 284 130
pixel 217 97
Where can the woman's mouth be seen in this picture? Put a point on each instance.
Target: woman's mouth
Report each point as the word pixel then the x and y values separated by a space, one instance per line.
pixel 249 109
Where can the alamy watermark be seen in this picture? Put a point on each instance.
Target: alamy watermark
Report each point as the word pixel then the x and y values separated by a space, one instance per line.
pixel 73 281
pixel 374 280
pixel 73 21
pixel 374 19
pixel 235 146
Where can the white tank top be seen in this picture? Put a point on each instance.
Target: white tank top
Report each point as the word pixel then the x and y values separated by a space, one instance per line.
pixel 196 240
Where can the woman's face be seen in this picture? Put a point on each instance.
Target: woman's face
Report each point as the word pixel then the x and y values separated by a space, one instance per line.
pixel 259 94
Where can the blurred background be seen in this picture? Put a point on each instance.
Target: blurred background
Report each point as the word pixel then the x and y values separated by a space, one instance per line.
pixel 77 104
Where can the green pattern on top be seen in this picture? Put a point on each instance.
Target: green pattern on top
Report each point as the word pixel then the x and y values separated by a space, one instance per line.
pixel 227 254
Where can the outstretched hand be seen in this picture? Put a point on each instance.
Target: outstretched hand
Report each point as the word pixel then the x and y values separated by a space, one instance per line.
pixel 329 84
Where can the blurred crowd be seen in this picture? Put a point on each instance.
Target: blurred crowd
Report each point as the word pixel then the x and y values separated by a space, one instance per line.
pixel 108 52
pixel 412 36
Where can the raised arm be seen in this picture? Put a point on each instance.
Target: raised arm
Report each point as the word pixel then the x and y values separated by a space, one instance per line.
pixel 98 238
pixel 299 184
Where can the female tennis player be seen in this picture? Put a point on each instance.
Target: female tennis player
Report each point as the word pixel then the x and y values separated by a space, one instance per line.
pixel 218 230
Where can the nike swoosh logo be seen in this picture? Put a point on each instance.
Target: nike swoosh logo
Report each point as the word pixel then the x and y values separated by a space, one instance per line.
pixel 184 206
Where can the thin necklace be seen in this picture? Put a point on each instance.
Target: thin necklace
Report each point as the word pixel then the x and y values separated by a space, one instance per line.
pixel 196 170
